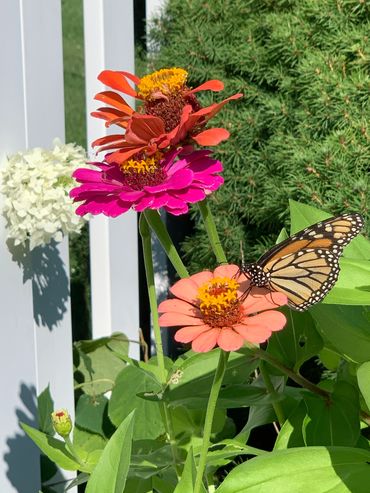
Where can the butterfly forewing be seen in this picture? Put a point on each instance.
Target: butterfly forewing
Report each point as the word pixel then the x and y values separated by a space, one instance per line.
pixel 306 266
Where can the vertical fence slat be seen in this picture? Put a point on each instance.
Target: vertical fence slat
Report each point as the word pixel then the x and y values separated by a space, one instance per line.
pixel 36 344
pixel 109 44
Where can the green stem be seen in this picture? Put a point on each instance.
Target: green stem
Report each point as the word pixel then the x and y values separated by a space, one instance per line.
pixel 271 390
pixel 211 406
pixel 303 382
pixel 149 271
pixel 156 224
pixel 171 437
pixel 72 450
pixel 212 232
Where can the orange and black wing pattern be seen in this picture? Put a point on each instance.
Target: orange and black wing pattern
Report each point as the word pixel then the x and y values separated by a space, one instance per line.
pixel 306 266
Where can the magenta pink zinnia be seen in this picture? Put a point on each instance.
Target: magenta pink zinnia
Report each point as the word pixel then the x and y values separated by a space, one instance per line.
pixel 171 181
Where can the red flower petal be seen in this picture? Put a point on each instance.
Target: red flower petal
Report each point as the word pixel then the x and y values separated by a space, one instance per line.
pixel 117 80
pixel 143 128
pixel 115 100
pixel 211 85
pixel 108 139
pixel 211 136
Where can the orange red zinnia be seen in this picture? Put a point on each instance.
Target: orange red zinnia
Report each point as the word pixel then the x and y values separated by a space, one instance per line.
pixel 170 114
pixel 212 310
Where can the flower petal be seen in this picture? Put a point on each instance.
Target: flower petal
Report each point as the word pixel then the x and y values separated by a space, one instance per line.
pixel 188 334
pixel 229 340
pixel 256 302
pixel 211 85
pixel 115 100
pixel 201 278
pixel 179 306
pixel 228 270
pixel 205 341
pixel 185 289
pixel 211 136
pixel 258 328
pixel 117 80
pixel 169 319
pixel 143 128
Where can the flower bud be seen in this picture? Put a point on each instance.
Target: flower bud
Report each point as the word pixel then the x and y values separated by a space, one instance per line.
pixel 62 422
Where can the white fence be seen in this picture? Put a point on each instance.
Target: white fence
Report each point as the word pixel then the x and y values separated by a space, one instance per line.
pixel 36 344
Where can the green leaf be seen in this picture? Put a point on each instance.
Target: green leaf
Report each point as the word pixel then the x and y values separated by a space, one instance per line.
pixel 45 406
pixel 347 329
pixel 290 434
pixel 138 485
pixel 299 470
pixel 363 379
pixel 111 471
pixel 164 485
pixel 333 423
pixel 81 479
pixel 258 416
pixel 131 381
pixel 187 481
pixel 92 414
pixel 329 358
pixel 245 395
pixel 88 446
pixel 191 421
pixel 302 215
pixel 231 449
pixel 197 371
pixel 149 457
pixel 97 363
pixel 298 342
pixel 52 447
pixel 353 285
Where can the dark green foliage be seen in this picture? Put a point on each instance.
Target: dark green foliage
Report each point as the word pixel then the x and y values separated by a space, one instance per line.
pixel 74 71
pixel 75 116
pixel 301 131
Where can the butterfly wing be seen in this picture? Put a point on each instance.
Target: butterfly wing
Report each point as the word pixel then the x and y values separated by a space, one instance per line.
pixel 306 266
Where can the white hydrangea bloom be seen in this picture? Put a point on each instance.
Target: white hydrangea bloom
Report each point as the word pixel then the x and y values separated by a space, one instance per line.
pixel 36 185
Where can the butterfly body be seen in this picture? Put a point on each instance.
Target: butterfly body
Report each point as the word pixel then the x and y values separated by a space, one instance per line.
pixel 306 266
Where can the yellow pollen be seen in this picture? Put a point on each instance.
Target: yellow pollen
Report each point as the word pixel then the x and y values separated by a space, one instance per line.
pixel 218 296
pixel 141 166
pixel 166 81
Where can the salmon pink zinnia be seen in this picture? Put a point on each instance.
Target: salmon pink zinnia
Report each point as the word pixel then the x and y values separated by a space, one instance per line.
pixel 212 309
pixel 170 114
pixel 147 182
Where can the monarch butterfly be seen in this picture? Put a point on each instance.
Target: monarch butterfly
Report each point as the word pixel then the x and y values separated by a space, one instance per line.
pixel 305 266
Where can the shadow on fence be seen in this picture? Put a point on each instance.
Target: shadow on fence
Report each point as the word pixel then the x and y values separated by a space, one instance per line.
pixel 44 267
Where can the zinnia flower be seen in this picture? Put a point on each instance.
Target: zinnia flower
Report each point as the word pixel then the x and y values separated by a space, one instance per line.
pixel 147 182
pixel 169 116
pixel 212 309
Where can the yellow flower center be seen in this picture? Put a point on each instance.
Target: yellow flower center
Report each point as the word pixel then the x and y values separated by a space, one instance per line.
pixel 142 171
pixel 167 81
pixel 141 166
pixel 219 302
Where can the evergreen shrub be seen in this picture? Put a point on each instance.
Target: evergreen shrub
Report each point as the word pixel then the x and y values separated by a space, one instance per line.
pixel 302 129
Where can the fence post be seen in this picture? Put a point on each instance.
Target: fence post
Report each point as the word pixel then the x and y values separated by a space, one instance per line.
pixel 36 343
pixel 109 44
